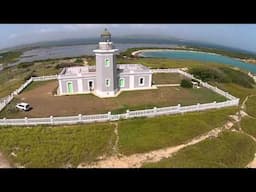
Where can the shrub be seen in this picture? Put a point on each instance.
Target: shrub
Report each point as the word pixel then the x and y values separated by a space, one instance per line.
pixel 186 83
pixel 29 75
pixel 63 65
pixel 24 65
pixel 79 60
pixel 223 75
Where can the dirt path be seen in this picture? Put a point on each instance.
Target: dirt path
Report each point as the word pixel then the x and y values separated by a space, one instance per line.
pixel 3 162
pixel 137 160
pixel 115 147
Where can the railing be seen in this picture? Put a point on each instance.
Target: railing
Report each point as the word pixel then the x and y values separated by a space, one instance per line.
pixel 204 84
pixel 233 101
pixel 5 101
pixel 109 117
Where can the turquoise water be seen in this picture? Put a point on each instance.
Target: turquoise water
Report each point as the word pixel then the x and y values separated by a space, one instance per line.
pixel 201 57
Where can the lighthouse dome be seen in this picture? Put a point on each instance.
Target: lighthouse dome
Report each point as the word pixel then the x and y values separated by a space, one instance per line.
pixel 105 36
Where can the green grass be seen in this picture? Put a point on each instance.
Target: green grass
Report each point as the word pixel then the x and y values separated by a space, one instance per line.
pixel 9 57
pixel 236 90
pixel 229 150
pixel 13 77
pixel 223 75
pixel 143 135
pixel 251 106
pixel 168 63
pixel 249 126
pixel 41 147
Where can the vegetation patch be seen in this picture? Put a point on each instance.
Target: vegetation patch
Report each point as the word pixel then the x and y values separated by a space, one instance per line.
pixel 249 126
pixel 185 83
pixel 9 57
pixel 235 90
pixel 143 135
pixel 251 106
pixel 229 150
pixel 63 65
pixel 49 147
pixel 223 75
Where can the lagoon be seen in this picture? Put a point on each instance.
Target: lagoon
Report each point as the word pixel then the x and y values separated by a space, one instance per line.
pixel 201 56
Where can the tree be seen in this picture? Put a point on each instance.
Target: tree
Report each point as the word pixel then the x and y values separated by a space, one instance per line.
pixel 186 83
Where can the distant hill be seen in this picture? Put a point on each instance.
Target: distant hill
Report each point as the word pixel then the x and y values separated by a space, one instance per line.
pixel 135 38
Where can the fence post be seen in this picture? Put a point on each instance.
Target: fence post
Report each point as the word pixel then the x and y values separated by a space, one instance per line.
pixel 4 120
pixel 51 118
pixel 127 113
pixel 109 115
pixel 214 103
pixel 155 110
pixel 80 117
pixel 198 106
pixel 178 107
pixel 26 120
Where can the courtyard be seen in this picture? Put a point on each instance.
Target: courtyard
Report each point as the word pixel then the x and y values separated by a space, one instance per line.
pixel 40 95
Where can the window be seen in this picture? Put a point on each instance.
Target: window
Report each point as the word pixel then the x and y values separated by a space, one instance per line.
pixel 107 62
pixel 107 82
pixel 141 81
pixel 121 82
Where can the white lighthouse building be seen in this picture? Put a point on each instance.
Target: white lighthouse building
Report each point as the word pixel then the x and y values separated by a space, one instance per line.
pixel 106 79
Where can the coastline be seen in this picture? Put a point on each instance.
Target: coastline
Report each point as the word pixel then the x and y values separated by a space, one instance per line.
pixel 137 53
pixel 251 61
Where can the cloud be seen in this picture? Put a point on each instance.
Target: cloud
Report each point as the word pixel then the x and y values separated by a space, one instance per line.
pixel 12 36
pixel 46 30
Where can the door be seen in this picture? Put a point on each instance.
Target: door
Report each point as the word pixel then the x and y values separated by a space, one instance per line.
pixel 121 82
pixel 70 87
pixel 90 85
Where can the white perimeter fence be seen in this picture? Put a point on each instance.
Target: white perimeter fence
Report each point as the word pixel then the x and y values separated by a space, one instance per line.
pixel 232 101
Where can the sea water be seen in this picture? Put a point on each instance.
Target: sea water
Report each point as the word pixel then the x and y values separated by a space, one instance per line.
pixel 200 56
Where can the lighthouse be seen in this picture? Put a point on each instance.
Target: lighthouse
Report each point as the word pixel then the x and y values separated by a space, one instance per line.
pixel 106 69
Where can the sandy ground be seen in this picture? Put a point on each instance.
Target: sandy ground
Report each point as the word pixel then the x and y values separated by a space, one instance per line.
pixel 3 162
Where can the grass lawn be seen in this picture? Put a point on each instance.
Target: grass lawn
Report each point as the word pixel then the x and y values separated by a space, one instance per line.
pixel 251 106
pixel 56 146
pixel 143 135
pixel 13 77
pixel 236 90
pixel 59 146
pixel 41 96
pixel 167 78
pixel 167 63
pixel 249 126
pixel 229 150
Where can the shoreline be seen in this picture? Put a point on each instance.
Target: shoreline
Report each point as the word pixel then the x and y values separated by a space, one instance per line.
pixel 139 53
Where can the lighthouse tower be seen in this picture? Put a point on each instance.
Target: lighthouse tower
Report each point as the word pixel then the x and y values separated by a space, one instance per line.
pixel 106 71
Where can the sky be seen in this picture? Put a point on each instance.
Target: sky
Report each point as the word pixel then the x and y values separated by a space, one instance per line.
pixel 241 36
